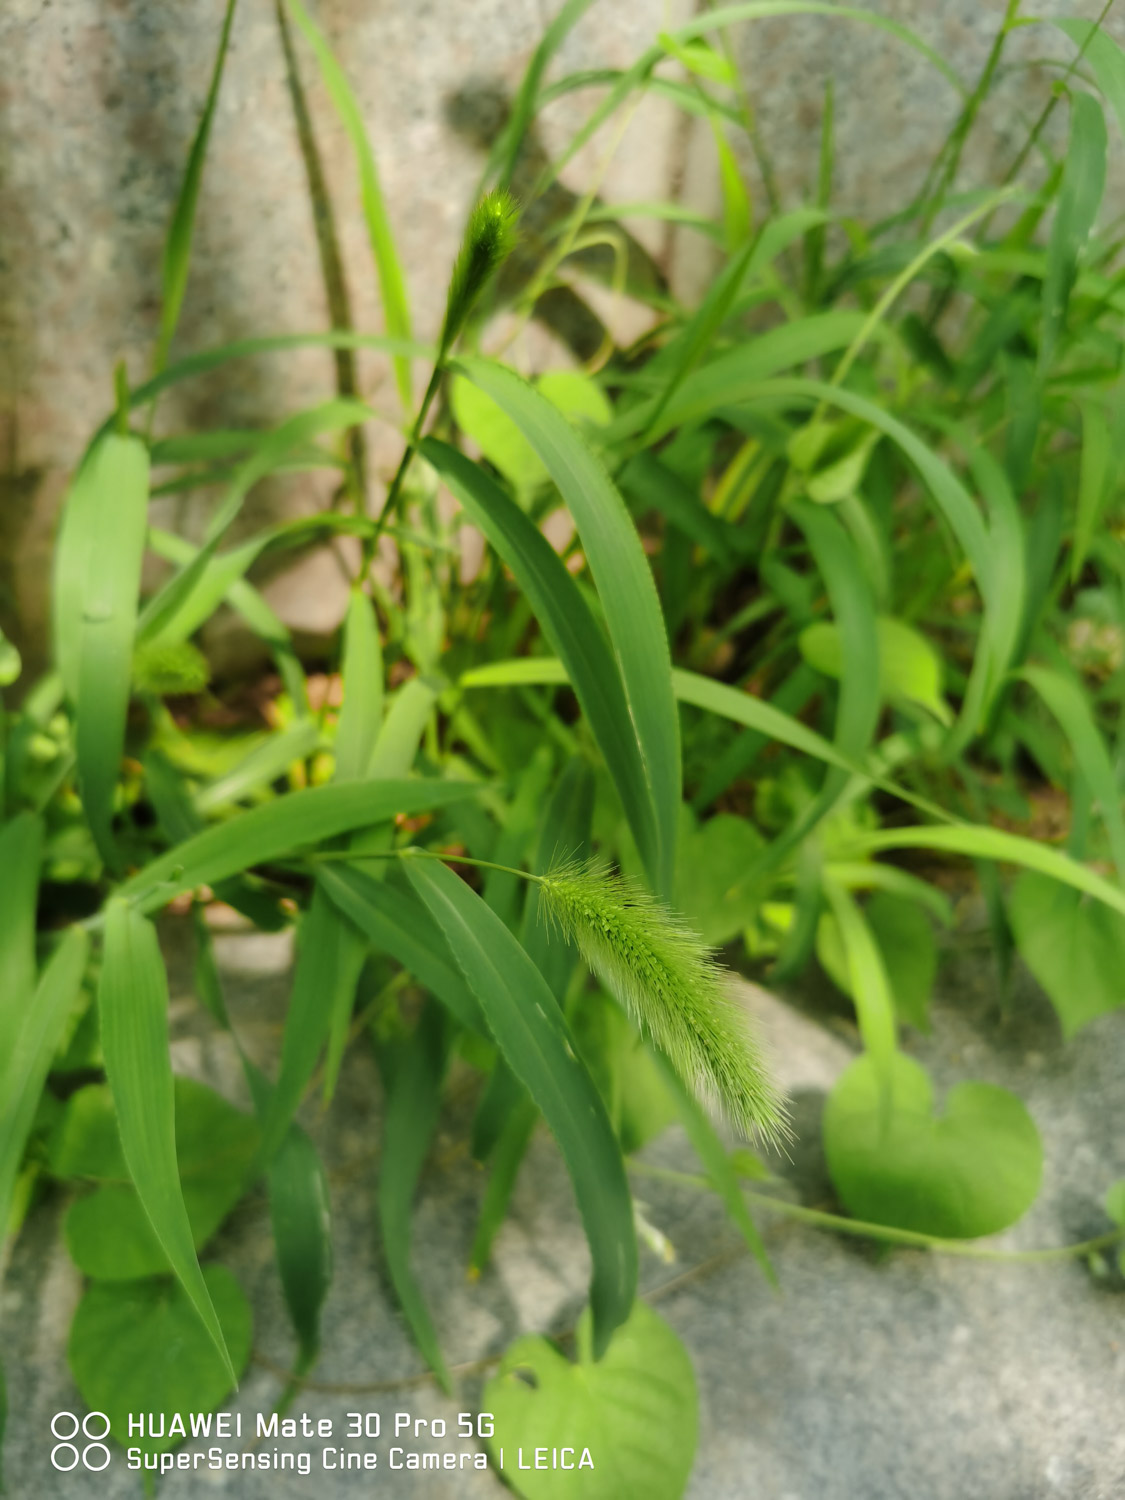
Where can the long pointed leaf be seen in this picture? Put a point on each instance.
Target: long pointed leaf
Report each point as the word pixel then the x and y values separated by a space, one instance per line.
pixel 569 625
pixel 163 609
pixel 21 843
pixel 1105 58
pixel 300 1219
pixel 1068 704
pixel 536 1043
pixel 133 1004
pixel 293 822
pixel 1083 184
pixel 177 248
pixel 394 921
pixel 392 285
pixel 625 586
pixel 329 957
pixel 993 843
pixel 26 1063
pixel 109 617
pixel 412 1073
pixel 361 715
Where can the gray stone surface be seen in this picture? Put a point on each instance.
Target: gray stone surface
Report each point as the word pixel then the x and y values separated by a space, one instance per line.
pixel 99 100
pixel 98 103
pixel 897 1377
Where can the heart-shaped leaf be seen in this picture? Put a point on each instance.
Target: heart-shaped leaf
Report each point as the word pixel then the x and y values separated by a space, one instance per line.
pixel 140 1346
pixel 710 870
pixel 1074 945
pixel 971 1171
pixel 635 1410
pixel 107 1231
pixel 909 668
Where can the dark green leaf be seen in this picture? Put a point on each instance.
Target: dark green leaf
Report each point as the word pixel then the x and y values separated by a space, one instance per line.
pixel 1080 198
pixel 413 1071
pixel 302 1234
pixel 505 1157
pixel 21 842
pixel 133 1005
pixel 330 954
pixel 294 822
pixel 625 586
pixel 138 1346
pixel 569 626
pixel 395 921
pixel 24 1071
pixel 536 1043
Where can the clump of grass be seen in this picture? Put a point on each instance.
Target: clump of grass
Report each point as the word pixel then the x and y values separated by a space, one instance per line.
pixel 667 980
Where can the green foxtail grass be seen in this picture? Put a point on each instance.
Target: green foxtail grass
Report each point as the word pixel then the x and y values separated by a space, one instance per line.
pixel 667 980
pixel 489 238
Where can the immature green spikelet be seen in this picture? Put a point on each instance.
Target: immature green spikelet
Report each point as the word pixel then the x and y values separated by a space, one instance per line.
pixel 489 238
pixel 666 979
pixel 170 668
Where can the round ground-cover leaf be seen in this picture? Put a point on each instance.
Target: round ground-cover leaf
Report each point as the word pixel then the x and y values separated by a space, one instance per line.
pixel 710 867
pixel 1073 944
pixel 970 1171
pixel 107 1231
pixel 636 1411
pixel 140 1346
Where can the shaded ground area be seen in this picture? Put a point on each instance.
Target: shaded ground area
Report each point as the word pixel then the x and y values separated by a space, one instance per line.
pixel 897 1376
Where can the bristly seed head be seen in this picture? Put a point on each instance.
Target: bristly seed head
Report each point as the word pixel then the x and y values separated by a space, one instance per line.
pixel 666 979
pixel 489 239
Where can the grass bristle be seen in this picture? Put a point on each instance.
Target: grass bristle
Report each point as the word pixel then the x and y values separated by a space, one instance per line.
pixel 667 980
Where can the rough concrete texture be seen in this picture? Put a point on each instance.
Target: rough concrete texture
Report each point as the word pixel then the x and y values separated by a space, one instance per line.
pixel 98 105
pixel 888 1377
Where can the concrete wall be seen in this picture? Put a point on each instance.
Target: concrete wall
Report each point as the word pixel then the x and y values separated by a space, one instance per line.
pixel 98 103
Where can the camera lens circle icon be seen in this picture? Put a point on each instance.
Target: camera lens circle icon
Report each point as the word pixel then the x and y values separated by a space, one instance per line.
pixel 96 1456
pixel 65 1455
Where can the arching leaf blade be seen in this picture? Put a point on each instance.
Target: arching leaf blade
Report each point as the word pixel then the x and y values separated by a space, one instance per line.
pixel 536 1043
pixel 133 1008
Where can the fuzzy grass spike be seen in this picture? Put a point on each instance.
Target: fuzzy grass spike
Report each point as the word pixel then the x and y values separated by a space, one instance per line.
pixel 489 238
pixel 666 979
